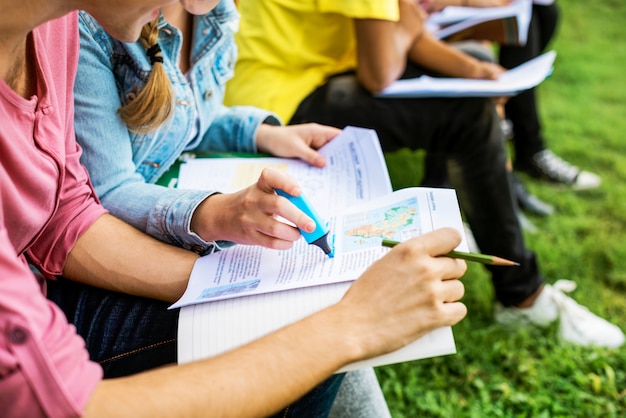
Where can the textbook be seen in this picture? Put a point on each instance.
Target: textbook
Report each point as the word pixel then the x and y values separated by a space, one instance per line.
pixel 505 25
pixel 244 292
pixel 523 77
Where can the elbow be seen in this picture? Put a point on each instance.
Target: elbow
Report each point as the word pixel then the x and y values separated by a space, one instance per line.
pixel 374 82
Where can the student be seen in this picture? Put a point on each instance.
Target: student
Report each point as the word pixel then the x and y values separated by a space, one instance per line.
pixel 138 107
pixel 320 61
pixel 50 217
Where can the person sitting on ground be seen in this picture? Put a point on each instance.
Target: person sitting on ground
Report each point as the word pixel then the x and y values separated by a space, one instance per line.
pixel 50 217
pixel 531 153
pixel 321 61
pixel 138 107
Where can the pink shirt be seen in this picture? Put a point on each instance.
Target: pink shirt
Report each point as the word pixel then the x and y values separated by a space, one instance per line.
pixel 46 203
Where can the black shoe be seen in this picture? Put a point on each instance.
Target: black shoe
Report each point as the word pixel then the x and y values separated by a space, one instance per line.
pixel 528 202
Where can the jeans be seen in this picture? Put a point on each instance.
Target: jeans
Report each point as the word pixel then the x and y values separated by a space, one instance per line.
pixel 128 335
pixel 466 131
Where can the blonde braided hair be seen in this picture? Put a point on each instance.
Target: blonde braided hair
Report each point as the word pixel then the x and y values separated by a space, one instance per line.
pixel 154 104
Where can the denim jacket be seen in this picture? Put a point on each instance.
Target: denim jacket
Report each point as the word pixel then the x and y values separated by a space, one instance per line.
pixel 123 165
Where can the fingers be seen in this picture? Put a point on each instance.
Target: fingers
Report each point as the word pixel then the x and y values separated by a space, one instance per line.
pixel 320 135
pixel 309 155
pixel 271 180
pixel 310 137
pixel 434 243
pixel 296 141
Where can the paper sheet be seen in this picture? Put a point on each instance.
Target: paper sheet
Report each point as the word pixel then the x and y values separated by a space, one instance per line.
pixel 510 83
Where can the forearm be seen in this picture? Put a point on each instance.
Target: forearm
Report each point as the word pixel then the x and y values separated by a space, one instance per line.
pixel 255 380
pixel 435 55
pixel 383 45
pixel 381 52
pixel 113 255
pixel 232 129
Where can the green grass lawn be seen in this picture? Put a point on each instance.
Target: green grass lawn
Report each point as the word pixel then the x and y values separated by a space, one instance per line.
pixel 527 372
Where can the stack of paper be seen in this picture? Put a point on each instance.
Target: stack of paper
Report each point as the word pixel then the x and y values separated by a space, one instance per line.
pixel 504 24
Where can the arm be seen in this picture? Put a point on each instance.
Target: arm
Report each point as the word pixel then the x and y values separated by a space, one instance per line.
pixel 108 153
pixel 113 255
pixel 436 55
pixel 406 294
pixel 383 47
pixel 187 218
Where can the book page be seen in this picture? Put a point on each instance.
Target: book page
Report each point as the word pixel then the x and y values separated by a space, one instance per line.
pixel 355 172
pixel 209 329
pixel 356 235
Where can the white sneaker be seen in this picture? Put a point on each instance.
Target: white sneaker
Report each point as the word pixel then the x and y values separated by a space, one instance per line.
pixel 577 324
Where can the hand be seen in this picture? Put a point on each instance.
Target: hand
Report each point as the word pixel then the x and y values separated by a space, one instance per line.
pixel 249 215
pixel 406 294
pixel 483 70
pixel 297 141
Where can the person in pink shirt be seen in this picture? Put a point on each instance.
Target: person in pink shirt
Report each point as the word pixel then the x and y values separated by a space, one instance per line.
pixel 50 218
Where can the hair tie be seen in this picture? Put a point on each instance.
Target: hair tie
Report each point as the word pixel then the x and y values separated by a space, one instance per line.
pixel 154 53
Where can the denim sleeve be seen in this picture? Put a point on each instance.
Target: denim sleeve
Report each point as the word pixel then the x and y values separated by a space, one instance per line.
pixel 234 129
pixel 163 213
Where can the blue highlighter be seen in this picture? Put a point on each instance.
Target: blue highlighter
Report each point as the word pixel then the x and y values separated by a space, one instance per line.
pixel 318 237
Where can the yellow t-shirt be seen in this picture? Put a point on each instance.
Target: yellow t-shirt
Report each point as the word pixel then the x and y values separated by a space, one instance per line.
pixel 288 48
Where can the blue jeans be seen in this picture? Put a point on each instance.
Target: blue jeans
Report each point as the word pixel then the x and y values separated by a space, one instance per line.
pixel 128 334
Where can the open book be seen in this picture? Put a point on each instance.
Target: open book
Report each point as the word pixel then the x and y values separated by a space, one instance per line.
pixel 506 25
pixel 244 292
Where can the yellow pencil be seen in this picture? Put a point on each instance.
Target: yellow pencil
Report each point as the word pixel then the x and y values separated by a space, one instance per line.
pixel 480 258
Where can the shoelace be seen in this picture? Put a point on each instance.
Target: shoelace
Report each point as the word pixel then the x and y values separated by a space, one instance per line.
pixel 554 167
pixel 568 308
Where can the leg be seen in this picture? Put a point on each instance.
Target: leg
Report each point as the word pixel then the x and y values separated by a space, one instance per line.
pixel 128 335
pixel 531 153
pixel 360 396
pixel 125 334
pixel 522 109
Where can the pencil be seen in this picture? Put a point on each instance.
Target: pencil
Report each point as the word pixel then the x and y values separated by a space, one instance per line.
pixel 479 258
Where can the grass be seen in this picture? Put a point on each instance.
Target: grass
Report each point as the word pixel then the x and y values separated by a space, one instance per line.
pixel 501 372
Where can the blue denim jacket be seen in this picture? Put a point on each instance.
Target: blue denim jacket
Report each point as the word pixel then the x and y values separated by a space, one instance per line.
pixel 123 165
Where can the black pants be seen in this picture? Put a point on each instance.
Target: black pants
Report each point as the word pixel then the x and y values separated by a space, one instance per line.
pixel 522 109
pixel 467 132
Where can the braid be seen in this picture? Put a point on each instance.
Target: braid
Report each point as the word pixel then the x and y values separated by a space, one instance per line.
pixel 153 105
